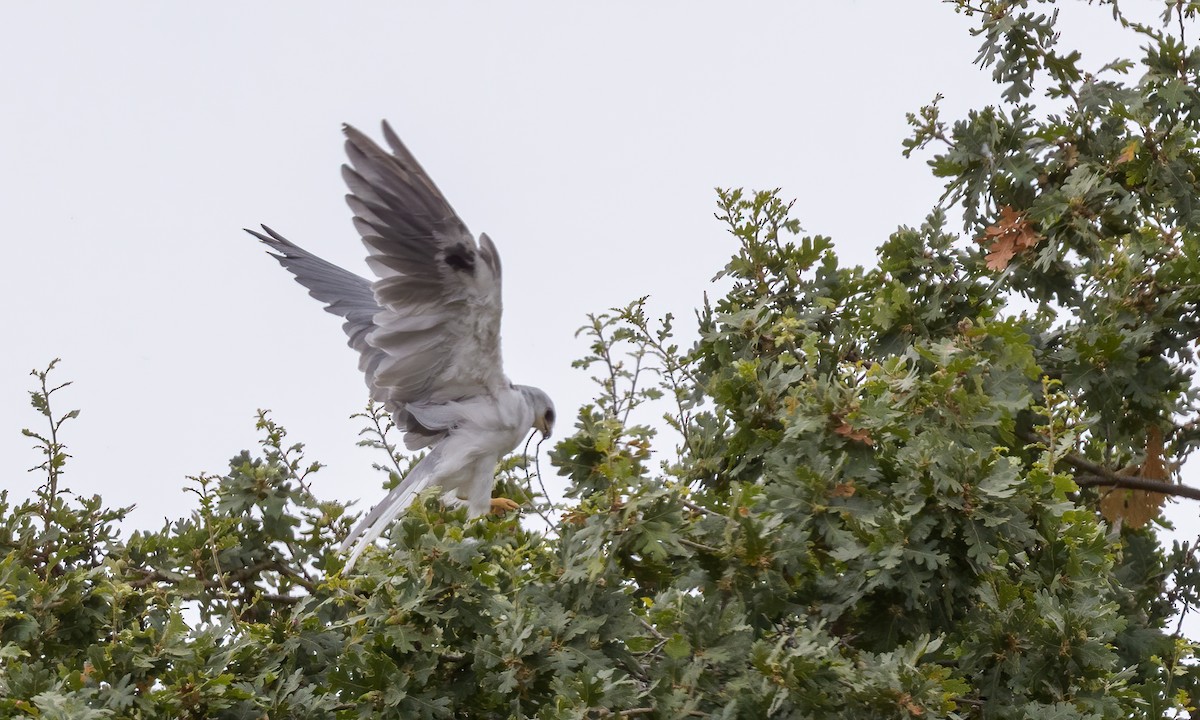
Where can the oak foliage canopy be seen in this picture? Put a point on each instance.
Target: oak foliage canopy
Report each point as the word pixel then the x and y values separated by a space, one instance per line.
pixel 877 492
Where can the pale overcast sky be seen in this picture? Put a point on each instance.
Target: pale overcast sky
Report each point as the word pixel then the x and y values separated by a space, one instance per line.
pixel 139 138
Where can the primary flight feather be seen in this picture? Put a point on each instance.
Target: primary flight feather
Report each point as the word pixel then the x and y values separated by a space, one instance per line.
pixel 427 330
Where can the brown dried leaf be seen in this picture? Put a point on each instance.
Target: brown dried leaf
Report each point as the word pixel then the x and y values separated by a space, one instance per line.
pixel 1134 507
pixel 1129 153
pixel 860 435
pixel 1070 155
pixel 1155 466
pixel 1000 254
pixel 845 489
pixel 1138 507
pixel 574 517
pixel 1121 504
pixel 1012 234
pixel 907 702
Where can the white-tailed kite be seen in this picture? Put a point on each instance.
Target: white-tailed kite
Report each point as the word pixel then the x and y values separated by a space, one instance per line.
pixel 427 330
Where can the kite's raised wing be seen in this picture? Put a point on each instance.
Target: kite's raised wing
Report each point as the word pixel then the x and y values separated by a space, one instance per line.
pixel 438 289
pixel 428 330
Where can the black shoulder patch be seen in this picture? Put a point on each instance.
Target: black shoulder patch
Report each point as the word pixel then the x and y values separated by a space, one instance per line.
pixel 461 258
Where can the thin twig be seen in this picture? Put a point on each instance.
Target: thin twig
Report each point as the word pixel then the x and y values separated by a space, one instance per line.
pixel 300 578
pixel 212 548
pixel 1182 26
pixel 633 381
pixel 280 599
pixel 538 466
pixel 388 447
pixel 699 546
pixel 605 712
pixel 651 629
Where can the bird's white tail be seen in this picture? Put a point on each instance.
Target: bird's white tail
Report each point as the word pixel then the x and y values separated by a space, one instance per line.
pixel 376 521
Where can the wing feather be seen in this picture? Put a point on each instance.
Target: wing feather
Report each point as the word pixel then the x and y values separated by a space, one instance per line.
pixel 343 293
pixel 438 289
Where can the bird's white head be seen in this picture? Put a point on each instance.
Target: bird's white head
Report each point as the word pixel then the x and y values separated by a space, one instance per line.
pixel 543 409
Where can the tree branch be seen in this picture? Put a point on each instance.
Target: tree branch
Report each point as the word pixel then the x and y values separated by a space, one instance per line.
pixel 605 712
pixel 240 575
pixel 1093 475
pixel 280 599
pixel 1131 482
pixel 699 546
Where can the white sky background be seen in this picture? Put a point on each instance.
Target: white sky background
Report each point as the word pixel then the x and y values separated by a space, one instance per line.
pixel 136 141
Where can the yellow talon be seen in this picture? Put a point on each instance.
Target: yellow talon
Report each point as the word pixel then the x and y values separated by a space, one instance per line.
pixel 500 506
